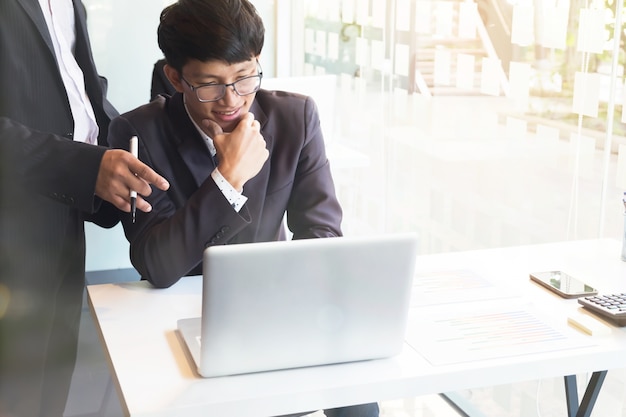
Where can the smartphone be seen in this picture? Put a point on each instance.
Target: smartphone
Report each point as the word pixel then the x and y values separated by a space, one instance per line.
pixel 563 284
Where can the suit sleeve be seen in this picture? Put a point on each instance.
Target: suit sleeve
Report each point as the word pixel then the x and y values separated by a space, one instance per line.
pixel 48 164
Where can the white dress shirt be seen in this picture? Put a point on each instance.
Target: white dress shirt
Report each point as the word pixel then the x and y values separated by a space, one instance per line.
pixel 59 15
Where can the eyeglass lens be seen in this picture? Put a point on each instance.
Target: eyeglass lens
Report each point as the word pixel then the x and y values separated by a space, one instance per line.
pixel 242 87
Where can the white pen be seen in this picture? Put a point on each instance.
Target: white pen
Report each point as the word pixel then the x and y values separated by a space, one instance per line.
pixel 133 194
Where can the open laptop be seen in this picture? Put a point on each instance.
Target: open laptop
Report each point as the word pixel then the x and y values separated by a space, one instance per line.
pixel 289 304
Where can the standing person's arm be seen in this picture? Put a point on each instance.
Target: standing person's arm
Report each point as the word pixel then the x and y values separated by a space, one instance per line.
pixel 71 172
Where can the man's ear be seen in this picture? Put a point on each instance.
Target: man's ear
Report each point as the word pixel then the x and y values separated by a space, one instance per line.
pixel 174 76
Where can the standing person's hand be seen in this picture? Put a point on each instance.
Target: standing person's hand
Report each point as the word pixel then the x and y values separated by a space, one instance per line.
pixel 241 153
pixel 120 172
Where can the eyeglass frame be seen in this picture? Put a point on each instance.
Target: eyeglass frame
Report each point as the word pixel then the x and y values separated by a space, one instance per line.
pixel 195 88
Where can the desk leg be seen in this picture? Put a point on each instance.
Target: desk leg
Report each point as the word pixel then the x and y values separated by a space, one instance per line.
pixel 590 397
pixel 463 407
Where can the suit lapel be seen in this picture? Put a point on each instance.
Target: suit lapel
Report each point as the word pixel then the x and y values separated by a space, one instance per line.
pixel 31 7
pixel 189 143
pixel 82 49
pixel 261 117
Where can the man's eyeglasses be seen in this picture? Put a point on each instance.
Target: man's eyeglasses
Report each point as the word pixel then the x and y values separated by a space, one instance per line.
pixel 215 92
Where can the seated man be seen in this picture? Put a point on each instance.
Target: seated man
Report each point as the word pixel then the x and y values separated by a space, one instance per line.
pixel 237 157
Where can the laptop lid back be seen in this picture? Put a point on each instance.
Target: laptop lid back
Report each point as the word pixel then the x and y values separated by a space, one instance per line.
pixel 278 305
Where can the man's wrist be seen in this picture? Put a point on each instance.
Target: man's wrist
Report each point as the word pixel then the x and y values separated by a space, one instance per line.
pixel 234 197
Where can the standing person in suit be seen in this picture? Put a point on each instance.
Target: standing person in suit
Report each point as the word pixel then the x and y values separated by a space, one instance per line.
pixel 239 158
pixel 53 175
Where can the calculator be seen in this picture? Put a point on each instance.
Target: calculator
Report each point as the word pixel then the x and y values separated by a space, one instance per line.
pixel 609 306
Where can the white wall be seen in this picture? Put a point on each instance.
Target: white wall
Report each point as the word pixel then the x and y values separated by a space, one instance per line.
pixel 106 248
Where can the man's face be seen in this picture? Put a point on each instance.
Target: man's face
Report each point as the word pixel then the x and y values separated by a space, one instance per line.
pixel 228 110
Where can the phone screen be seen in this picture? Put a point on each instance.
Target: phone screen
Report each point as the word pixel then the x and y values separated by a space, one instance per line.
pixel 563 283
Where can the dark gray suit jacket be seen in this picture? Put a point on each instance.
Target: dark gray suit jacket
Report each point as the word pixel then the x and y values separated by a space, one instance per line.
pixel 46 188
pixel 167 243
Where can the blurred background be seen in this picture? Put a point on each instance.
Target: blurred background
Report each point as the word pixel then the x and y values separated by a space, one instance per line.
pixel 475 123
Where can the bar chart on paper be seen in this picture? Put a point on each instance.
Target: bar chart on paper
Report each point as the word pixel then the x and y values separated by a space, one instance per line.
pixel 453 286
pixel 483 325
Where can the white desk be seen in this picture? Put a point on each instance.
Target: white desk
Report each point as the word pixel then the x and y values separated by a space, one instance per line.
pixel 155 377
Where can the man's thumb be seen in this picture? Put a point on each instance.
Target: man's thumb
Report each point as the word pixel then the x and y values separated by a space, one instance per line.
pixel 211 128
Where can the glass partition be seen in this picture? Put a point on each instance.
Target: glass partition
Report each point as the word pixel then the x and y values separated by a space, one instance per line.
pixel 475 123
